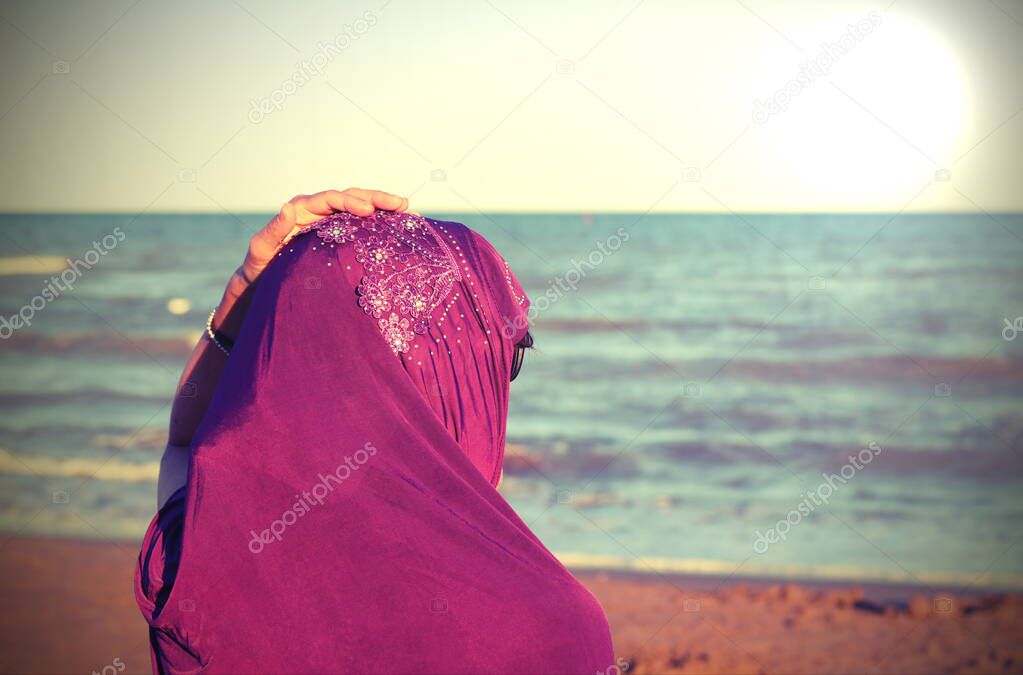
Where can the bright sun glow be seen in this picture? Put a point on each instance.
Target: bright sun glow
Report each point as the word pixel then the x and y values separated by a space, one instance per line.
pixel 916 84
pixel 876 124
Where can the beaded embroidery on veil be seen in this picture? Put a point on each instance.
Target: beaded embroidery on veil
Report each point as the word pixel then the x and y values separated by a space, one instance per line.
pixel 408 270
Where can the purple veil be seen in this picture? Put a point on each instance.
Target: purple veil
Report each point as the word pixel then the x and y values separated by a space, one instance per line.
pixel 341 512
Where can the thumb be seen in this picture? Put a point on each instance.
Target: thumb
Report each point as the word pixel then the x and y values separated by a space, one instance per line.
pixel 283 223
pixel 267 241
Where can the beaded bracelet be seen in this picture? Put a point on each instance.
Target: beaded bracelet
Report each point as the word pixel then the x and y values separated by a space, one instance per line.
pixel 223 343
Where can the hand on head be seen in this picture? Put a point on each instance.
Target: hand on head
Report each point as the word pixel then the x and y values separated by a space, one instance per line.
pixel 206 363
pixel 303 210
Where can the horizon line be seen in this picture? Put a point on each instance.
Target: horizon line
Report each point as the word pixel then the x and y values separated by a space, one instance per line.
pixel 526 212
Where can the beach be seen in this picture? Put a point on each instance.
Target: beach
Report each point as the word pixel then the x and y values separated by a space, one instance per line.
pixel 68 607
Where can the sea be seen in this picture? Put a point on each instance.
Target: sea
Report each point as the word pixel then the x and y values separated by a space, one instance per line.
pixel 812 396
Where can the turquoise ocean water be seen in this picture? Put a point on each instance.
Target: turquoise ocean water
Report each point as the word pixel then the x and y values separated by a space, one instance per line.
pixel 700 386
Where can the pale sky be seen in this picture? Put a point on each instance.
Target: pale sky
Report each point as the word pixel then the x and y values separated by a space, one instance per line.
pixel 510 106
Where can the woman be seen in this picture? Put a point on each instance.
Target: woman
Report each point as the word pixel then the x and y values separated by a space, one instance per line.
pixel 328 498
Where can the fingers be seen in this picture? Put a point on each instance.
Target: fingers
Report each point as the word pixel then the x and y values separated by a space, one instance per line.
pixel 377 199
pixel 355 205
pixel 331 201
pixel 389 202
pixel 364 195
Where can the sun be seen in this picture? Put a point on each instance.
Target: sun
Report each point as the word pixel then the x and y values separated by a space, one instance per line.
pixel 882 119
pixel 910 79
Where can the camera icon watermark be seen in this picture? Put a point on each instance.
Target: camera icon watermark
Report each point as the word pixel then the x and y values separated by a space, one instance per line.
pixel 438 175
pixel 186 605
pixel 61 497
pixel 944 605
pixel 691 605
pixel 61 67
pixel 943 176
pixel 943 389
pixel 692 174
pixel 692 390
pixel 563 496
pixel 189 390
pixel 187 175
pixel 313 283
pixel 565 67
pixel 438 605
pixel 817 283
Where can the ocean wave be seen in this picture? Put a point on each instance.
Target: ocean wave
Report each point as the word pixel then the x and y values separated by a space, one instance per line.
pixel 75 435
pixel 899 498
pixel 592 325
pixel 31 265
pixel 140 439
pixel 976 376
pixel 99 469
pixel 678 326
pixel 726 454
pixel 176 347
pixel 823 339
pixel 92 396
pixel 564 458
pixel 994 464
pixel 825 573
pixel 900 368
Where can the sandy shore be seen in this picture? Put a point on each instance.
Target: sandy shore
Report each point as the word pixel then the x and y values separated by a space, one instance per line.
pixel 68 607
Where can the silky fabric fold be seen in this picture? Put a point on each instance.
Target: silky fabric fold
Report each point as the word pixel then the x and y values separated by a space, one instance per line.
pixel 341 512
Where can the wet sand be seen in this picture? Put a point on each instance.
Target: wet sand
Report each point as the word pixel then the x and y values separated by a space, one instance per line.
pixel 68 607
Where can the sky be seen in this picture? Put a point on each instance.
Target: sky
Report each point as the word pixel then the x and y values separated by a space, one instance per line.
pixel 493 105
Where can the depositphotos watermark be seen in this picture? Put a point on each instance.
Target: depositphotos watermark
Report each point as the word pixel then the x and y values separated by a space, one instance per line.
pixel 569 281
pixel 58 284
pixel 819 66
pixel 816 497
pixel 305 502
pixel 1012 328
pixel 310 68
pixel 116 666
pixel 619 667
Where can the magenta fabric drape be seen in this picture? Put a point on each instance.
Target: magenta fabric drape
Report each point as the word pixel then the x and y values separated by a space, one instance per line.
pixel 341 512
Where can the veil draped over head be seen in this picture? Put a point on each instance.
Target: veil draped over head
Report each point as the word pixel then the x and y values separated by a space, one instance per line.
pixel 341 512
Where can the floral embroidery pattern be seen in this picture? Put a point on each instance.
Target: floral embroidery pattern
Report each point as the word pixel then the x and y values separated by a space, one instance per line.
pixel 407 269
pixel 337 232
pixel 396 332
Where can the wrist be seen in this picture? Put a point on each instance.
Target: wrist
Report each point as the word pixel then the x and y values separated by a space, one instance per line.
pixel 236 287
pixel 220 340
pixel 229 314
